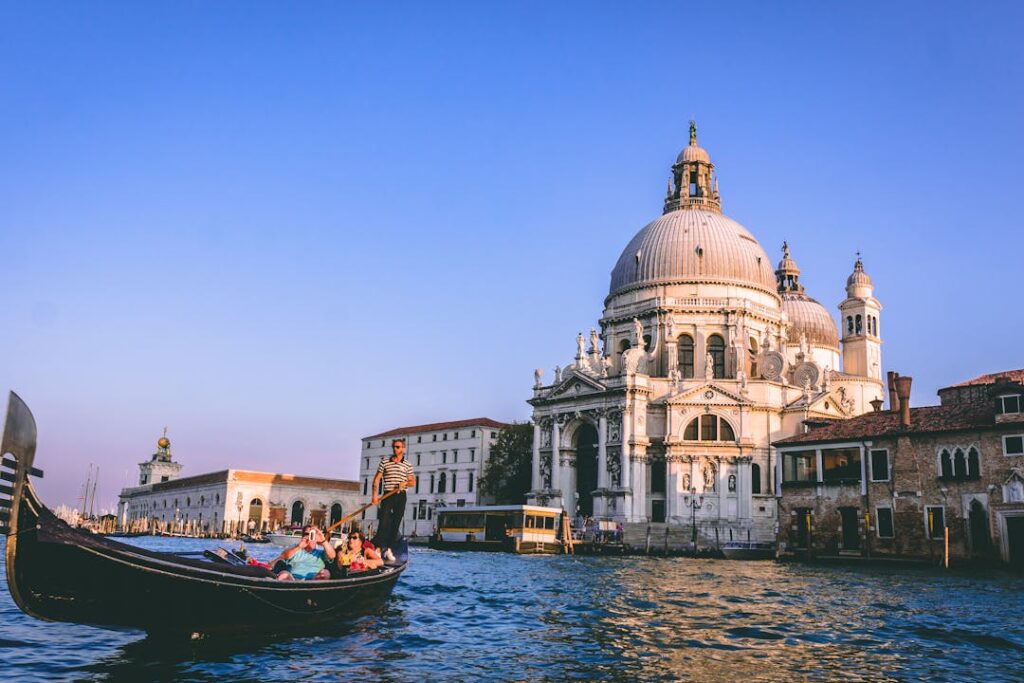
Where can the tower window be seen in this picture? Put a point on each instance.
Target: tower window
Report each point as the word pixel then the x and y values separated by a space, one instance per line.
pixel 685 343
pixel 858 324
pixel 716 348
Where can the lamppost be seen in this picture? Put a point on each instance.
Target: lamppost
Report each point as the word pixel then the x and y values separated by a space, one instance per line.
pixel 238 505
pixel 696 502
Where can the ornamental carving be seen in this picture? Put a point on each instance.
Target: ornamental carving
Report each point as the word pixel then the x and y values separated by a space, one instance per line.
pixel 614 465
pixel 806 375
pixel 545 471
pixel 771 364
pixel 710 474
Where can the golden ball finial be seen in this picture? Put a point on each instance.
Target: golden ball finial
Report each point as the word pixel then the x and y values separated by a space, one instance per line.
pixel 164 442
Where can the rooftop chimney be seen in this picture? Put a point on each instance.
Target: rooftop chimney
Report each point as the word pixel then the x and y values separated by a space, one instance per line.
pixel 903 392
pixel 894 401
pixel 877 404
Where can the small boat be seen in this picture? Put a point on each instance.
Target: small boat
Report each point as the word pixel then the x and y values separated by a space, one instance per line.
pixel 250 539
pixel 748 550
pixel 283 538
pixel 524 529
pixel 59 573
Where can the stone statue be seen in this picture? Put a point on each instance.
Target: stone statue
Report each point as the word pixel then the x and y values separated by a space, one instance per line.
pixel 558 374
pixel 638 332
pixel 693 132
pixel 595 342
pixel 606 364
pixel 670 327
pixel 580 344
pixel 686 481
pixel 826 378
pixel 709 477
pixel 732 483
pixel 709 366
pixel 536 378
pixel 742 377
pixel 766 345
pixel 804 349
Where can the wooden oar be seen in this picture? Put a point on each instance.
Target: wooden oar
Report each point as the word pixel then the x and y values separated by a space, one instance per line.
pixel 365 507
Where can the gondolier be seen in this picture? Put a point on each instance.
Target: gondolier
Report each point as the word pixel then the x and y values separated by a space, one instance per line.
pixel 396 474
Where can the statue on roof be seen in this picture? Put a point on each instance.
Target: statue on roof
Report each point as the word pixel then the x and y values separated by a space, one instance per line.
pixel 693 132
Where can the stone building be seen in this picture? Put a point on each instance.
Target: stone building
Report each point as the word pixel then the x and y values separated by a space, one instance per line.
pixel 703 358
pixel 888 483
pixel 447 458
pixel 226 501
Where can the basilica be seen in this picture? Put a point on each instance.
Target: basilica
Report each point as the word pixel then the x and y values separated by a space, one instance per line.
pixel 703 357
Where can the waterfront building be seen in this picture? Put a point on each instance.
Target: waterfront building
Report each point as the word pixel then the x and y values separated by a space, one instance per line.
pixel 447 459
pixel 703 357
pixel 891 482
pixel 227 501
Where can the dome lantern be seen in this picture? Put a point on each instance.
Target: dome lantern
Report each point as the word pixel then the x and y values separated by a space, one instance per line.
pixel 788 275
pixel 693 183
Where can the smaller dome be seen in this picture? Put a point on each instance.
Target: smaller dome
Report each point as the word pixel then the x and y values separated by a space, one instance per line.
pixel 858 276
pixel 809 317
pixel 693 152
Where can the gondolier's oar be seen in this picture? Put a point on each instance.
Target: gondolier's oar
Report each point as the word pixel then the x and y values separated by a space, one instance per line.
pixel 365 507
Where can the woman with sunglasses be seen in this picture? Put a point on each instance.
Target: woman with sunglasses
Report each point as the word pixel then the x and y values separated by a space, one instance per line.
pixel 356 556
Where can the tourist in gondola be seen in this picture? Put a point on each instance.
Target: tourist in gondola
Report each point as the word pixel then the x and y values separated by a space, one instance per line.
pixel 358 556
pixel 397 475
pixel 308 559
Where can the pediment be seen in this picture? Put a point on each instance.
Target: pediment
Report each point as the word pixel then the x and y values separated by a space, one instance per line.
pixel 576 384
pixel 823 404
pixel 706 394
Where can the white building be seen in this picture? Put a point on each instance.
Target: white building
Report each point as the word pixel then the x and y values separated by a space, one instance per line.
pixel 705 356
pixel 225 501
pixel 447 458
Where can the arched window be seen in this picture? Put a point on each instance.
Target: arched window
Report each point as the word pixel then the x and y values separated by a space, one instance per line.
pixel 959 464
pixel 709 428
pixel 298 512
pixel 973 464
pixel 858 324
pixel 431 483
pixel 849 324
pixel 647 342
pixel 716 347
pixel 623 347
pixel 366 486
pixel 685 343
pixel 442 481
pixel 454 481
pixel 335 513
pixel 945 465
pixel 470 482
pixel 755 478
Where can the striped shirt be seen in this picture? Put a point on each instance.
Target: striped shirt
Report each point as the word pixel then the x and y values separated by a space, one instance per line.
pixel 395 473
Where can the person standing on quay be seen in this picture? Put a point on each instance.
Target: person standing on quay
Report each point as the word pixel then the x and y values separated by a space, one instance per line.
pixel 397 475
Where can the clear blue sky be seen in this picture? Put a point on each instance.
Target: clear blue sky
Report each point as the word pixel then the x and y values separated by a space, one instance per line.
pixel 277 228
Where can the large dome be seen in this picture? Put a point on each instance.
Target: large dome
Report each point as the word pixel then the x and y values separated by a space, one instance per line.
pixel 809 317
pixel 693 245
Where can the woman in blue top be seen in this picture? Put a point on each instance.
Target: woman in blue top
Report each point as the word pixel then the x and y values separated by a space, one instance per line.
pixel 308 559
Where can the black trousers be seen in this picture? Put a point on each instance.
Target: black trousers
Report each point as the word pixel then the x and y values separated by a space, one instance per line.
pixel 389 516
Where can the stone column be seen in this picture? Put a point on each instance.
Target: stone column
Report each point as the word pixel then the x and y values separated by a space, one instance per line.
pixel 671 477
pixel 722 482
pixel 538 484
pixel 556 457
pixel 778 472
pixel 627 434
pixel 602 451
pixel 743 488
pixel 639 485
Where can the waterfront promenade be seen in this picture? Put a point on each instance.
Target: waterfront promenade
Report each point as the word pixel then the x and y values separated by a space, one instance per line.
pixel 503 617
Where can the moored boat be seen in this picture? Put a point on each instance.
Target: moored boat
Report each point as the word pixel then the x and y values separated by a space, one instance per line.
pixel 748 550
pixel 58 573
pixel 524 529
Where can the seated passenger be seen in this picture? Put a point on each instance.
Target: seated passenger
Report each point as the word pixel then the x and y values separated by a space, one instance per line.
pixel 308 559
pixel 356 556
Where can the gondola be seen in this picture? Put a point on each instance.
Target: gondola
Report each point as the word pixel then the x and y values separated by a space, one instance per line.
pixel 59 573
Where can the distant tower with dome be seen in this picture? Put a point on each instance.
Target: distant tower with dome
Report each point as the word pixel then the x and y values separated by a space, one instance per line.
pixel 703 356
pixel 160 466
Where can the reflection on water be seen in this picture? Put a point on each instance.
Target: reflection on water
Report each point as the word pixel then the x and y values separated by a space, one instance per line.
pixel 496 616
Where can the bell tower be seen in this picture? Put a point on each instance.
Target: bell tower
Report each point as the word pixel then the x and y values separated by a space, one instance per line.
pixel 859 319
pixel 161 467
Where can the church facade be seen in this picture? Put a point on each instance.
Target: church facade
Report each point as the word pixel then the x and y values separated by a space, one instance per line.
pixel 704 355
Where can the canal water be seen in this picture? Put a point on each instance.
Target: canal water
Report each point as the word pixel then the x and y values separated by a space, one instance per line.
pixel 485 616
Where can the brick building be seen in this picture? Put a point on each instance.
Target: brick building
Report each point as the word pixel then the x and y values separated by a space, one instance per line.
pixel 890 482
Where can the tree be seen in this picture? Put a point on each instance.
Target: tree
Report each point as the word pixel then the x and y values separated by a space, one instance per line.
pixel 508 472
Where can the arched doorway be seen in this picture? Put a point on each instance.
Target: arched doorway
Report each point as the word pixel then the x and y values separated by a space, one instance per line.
pixel 586 468
pixel 298 512
pixel 335 513
pixel 256 511
pixel 979 528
